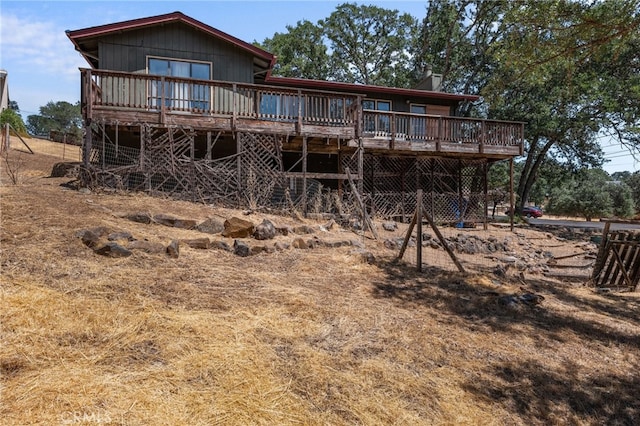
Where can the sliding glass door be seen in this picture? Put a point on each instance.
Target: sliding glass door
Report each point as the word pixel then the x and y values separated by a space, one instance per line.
pixel 180 95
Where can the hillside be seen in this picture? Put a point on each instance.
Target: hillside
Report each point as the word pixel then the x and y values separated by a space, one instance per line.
pixel 323 335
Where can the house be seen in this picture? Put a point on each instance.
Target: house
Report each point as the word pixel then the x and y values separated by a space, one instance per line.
pixel 172 104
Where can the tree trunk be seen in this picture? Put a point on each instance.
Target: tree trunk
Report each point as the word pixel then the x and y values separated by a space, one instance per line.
pixel 530 178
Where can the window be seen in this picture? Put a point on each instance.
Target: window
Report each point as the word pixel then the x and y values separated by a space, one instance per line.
pixel 418 124
pixel 178 95
pixel 376 122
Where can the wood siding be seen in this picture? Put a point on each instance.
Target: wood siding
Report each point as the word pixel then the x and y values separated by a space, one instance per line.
pixel 128 51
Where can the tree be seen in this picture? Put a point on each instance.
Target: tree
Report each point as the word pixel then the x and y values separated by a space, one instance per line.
pixel 633 182
pixel 14 106
pixel 622 199
pixel 587 195
pixel 301 52
pixel 561 72
pixel 369 44
pixel 59 116
pixel 14 119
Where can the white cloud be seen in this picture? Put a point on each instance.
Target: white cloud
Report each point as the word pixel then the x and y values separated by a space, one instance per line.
pixel 40 44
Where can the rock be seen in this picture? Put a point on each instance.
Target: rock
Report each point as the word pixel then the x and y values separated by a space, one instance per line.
pixel 173 222
pixel 336 244
pixel 500 271
pixel 112 249
pixel 257 249
pixel 303 229
pixel 426 236
pixel 434 244
pixel 390 244
pixel 146 246
pixel 139 217
pixel 221 245
pixel 91 237
pixel 280 246
pixel 211 226
pixel 122 235
pixel 197 243
pixel 283 230
pixel 329 225
pixel 235 227
pixel 173 249
pixel 240 248
pixel 314 242
pixel 300 243
pixel 265 231
pixel 390 226
pixel 510 259
pixel 84 191
pixel 357 243
pixel 65 169
pixel 364 255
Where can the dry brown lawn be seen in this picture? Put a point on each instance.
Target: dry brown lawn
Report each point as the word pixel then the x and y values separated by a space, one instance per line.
pixel 293 337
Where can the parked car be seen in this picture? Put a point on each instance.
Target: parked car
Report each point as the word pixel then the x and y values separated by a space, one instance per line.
pixel 528 211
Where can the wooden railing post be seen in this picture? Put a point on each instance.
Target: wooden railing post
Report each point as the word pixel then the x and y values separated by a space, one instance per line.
pixel 392 125
pixel 234 112
pixel 440 135
pixel 299 121
pixel 162 100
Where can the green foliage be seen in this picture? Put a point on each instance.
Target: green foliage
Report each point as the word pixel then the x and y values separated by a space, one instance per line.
pixel 591 194
pixel 301 52
pixel 633 182
pixel 59 116
pixel 14 119
pixel 622 199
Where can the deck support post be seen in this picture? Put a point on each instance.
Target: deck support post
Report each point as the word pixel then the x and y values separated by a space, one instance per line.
pixel 86 152
pixel 104 131
pixel 511 195
pixel 360 166
pixel 485 169
pixel 208 146
pixel 239 163
pixel 304 174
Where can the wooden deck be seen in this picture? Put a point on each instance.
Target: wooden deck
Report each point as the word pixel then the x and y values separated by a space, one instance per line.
pixel 131 99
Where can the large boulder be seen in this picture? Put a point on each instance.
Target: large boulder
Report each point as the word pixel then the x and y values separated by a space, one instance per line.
pixel 113 249
pixel 211 226
pixel 139 217
pixel 235 227
pixel 197 243
pixel 166 220
pixel 146 246
pixel 265 231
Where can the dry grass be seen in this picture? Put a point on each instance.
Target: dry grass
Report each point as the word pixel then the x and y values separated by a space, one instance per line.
pixel 294 337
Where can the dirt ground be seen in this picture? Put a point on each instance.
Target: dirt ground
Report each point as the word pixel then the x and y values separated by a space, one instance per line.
pixel 295 336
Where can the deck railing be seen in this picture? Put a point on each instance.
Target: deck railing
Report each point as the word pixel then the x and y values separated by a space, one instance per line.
pixel 419 127
pixel 217 98
pixel 153 93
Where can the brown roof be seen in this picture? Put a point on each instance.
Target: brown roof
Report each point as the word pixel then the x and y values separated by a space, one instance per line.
pixel 337 86
pixel 78 36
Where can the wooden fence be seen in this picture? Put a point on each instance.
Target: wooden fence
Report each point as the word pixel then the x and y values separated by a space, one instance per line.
pixel 618 262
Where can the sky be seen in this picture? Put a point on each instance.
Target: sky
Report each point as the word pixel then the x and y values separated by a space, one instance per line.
pixel 43 65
